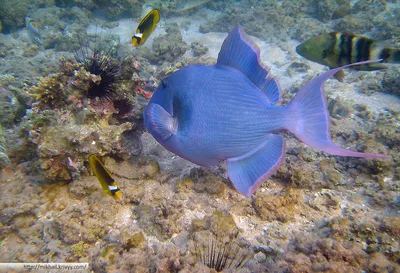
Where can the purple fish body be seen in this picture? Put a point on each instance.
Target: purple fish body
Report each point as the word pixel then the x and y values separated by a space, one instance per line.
pixel 227 111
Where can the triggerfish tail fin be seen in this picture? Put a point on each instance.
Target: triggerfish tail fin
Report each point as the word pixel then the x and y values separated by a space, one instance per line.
pixel 162 124
pixel 249 171
pixel 310 117
pixel 239 52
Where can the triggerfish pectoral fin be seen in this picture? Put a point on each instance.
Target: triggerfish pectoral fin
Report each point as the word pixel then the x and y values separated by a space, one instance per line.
pixel 250 170
pixel 239 52
pixel 312 124
pixel 162 124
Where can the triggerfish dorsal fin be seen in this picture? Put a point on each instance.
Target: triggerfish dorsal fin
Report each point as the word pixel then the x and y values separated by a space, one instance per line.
pixel 239 52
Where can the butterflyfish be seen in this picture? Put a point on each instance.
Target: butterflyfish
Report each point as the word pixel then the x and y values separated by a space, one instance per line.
pixel 146 27
pixel 103 175
pixel 33 32
pixel 336 49
pixel 228 112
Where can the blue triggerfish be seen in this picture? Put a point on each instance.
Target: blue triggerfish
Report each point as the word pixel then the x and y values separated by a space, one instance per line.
pixel 146 27
pixel 227 111
pixel 336 49
pixel 33 32
pixel 103 175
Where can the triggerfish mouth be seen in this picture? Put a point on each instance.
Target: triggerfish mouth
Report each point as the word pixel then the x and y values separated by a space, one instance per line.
pixel 227 112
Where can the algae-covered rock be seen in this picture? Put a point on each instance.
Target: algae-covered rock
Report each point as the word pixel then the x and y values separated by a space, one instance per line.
pixel 130 240
pixel 219 223
pixel 203 180
pixel 80 249
pixel 357 23
pixel 115 9
pixel 64 148
pixel 327 255
pixel 50 92
pixel 341 11
pixel 168 47
pixel 4 160
pixel 198 49
pixel 82 124
pixel 12 105
pixel 370 6
pixel 13 14
pixel 325 9
pixel 391 81
pixel 282 207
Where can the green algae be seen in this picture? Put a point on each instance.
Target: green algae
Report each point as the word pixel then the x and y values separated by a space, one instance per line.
pixel 132 241
pixel 282 207
pixel 4 160
pixel 80 249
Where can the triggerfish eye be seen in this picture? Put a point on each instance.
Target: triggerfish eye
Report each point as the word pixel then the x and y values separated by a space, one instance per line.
pixel 146 27
pixel 164 83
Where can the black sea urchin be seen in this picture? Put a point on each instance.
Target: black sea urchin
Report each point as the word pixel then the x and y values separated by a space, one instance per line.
pixel 220 255
pixel 98 61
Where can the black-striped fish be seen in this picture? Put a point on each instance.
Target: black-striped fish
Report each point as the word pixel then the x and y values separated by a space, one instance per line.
pixel 33 32
pixel 336 49
pixel 106 181
pixel 146 27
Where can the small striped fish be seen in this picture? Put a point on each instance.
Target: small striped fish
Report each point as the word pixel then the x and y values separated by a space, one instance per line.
pixel 336 49
pixel 33 32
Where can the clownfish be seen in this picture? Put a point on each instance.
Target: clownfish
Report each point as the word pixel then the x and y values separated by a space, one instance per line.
pixel 106 181
pixel 146 27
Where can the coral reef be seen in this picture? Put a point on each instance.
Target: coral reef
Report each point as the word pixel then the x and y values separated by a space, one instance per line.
pixel 13 14
pixel 318 213
pixel 325 10
pixel 12 103
pixel 4 160
pixel 341 11
pixel 81 123
pixel 198 49
pixel 169 47
pixel 390 82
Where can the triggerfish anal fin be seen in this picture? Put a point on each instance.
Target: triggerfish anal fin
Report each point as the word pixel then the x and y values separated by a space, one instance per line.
pixel 146 27
pixel 162 123
pixel 250 170
pixel 239 52
pixel 106 181
pixel 312 125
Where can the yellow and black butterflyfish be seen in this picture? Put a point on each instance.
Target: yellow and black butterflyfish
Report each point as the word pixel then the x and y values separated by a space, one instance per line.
pixel 146 27
pixel 103 175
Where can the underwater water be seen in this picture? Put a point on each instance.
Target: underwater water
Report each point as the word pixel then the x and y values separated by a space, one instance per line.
pixel 85 180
